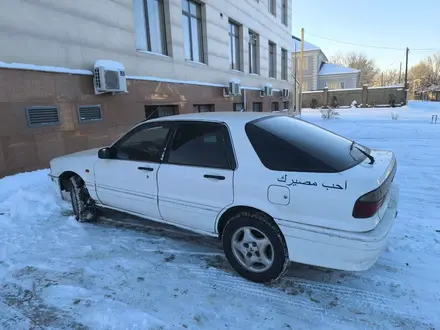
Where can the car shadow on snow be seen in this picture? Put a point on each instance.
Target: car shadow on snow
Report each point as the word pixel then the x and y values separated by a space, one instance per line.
pixel 129 222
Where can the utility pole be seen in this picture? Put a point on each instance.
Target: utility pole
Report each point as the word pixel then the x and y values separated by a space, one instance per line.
pixel 400 73
pixel 301 58
pixel 405 88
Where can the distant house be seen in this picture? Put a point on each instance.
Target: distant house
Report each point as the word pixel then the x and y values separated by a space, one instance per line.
pixel 318 73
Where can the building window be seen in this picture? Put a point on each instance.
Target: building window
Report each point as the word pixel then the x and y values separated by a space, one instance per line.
pixel 42 116
pixel 284 64
pixel 150 26
pixel 284 12
pixel 333 85
pixel 238 106
pixel 305 86
pixel 342 84
pixel 272 6
pixel 285 105
pixel 192 30
pixel 234 46
pixel 204 108
pixel 272 60
pixel 89 113
pixel 157 111
pixel 257 107
pixel 305 63
pixel 275 106
pixel 253 53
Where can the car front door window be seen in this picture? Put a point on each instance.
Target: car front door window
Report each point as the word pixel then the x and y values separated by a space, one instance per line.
pixel 145 144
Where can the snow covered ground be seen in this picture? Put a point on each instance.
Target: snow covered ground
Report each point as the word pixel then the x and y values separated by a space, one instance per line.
pixel 125 273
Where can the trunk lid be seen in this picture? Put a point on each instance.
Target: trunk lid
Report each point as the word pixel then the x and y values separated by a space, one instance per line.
pixel 374 181
pixel 387 163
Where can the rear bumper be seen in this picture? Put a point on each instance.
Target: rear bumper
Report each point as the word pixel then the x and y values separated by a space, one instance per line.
pixel 337 249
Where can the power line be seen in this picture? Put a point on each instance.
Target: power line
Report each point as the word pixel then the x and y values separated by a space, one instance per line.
pixel 374 46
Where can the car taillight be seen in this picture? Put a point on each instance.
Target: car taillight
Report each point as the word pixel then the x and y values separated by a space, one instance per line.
pixel 368 205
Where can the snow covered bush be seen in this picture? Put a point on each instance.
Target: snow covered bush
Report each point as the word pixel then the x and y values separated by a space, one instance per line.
pixel 329 114
pixel 354 104
pixel 334 103
pixel 392 99
pixel 314 103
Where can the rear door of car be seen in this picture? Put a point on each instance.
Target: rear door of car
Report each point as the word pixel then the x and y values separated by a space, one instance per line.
pixel 195 180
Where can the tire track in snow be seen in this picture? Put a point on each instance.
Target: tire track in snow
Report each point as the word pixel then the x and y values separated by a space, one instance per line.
pixel 358 300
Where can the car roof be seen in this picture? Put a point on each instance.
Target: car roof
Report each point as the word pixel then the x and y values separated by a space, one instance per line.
pixel 228 117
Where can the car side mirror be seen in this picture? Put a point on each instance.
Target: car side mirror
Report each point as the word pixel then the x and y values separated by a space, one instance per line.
pixel 104 153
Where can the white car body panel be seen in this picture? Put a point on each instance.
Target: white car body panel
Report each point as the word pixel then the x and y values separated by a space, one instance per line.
pixel 122 185
pixel 187 198
pixel 79 163
pixel 313 210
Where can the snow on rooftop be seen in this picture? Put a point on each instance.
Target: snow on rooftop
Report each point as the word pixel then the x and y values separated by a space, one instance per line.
pixel 329 68
pixel 307 46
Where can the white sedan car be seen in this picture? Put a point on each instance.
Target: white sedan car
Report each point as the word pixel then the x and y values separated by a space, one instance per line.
pixel 273 188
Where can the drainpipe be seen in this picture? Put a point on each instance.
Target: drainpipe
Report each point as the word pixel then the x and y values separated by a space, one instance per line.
pixel 244 100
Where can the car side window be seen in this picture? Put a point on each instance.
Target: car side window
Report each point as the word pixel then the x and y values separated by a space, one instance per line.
pixel 278 154
pixel 201 144
pixel 144 144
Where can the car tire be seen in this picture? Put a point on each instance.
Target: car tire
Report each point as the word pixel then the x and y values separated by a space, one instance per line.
pixel 250 239
pixel 83 205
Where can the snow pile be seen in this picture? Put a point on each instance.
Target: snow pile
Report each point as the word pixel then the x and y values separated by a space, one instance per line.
pixel 56 273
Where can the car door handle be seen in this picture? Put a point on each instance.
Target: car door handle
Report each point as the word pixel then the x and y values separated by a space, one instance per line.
pixel 149 169
pixel 215 177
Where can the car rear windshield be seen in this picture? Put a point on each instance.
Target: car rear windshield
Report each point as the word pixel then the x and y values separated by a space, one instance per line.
pixel 288 144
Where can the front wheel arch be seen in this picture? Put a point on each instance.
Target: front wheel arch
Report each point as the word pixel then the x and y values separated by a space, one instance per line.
pixel 64 179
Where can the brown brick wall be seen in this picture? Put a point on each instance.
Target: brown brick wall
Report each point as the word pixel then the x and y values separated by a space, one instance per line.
pixel 24 149
pixel 346 97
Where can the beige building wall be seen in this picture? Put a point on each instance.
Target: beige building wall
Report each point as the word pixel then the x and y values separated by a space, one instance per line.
pixel 74 34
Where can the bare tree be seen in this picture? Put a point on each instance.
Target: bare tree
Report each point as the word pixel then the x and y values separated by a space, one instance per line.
pixel 388 77
pixel 358 61
pixel 338 58
pixel 426 73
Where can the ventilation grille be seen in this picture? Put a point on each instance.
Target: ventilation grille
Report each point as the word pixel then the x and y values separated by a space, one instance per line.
pixel 89 113
pixel 42 116
pixel 97 78
pixel 111 79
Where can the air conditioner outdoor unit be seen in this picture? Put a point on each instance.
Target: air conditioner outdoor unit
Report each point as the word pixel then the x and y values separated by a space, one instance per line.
pixel 285 93
pixel 266 91
pixel 109 77
pixel 233 89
